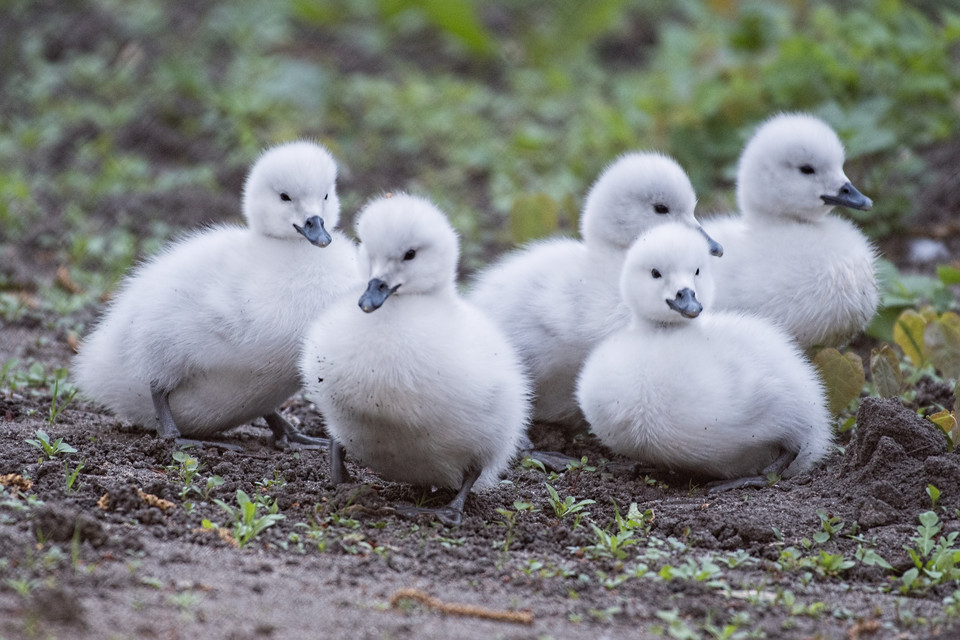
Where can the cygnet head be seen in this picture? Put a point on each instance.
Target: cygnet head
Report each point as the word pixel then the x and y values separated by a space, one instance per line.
pixel 793 167
pixel 635 193
pixel 666 275
pixel 291 191
pixel 408 247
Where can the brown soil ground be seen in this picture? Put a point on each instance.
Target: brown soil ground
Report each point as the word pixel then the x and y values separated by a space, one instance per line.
pixel 101 562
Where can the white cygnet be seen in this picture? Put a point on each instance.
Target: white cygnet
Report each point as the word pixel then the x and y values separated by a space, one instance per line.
pixel 416 383
pixel 556 299
pixel 206 335
pixel 787 258
pixel 720 394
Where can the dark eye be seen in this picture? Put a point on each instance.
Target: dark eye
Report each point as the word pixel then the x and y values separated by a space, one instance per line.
pixel 326 196
pixel 655 274
pixel 410 254
pixel 285 197
pixel 807 169
pixel 661 208
pixel 697 273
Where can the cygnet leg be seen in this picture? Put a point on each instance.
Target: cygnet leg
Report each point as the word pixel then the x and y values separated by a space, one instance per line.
pixel 167 429
pixel 451 514
pixel 338 471
pixel 778 466
pixel 285 435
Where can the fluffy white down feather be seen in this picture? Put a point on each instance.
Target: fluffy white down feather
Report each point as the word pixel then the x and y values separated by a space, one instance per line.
pixel 718 394
pixel 219 316
pixel 424 387
pixel 556 299
pixel 786 257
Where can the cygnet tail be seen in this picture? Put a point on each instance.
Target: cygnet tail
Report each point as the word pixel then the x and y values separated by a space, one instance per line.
pixel 100 374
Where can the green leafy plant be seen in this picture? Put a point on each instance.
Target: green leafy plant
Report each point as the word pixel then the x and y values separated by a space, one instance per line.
pixel 830 527
pixel 930 338
pixel 580 465
pixel 566 506
pixel 843 376
pixel 185 467
pixel 508 520
pixel 831 564
pixel 871 558
pixel 18 500
pixel 935 559
pixel 23 587
pixel 244 521
pixel 212 483
pixel 698 570
pixel 934 494
pixel 901 292
pixel 70 475
pixel 59 400
pixel 609 545
pixel 885 371
pixel 532 463
pixel 50 449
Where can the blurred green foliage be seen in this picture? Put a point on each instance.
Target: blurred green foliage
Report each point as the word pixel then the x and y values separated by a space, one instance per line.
pixel 125 121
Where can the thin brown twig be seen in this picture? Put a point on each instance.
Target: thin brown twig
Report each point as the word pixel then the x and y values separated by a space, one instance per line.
pixel 468 610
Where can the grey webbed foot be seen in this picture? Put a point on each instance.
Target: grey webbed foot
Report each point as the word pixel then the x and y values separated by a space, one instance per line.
pixel 777 467
pixel 445 515
pixel 286 436
pixel 552 460
pixel 634 468
pixel 338 470
pixel 190 442
pixel 452 514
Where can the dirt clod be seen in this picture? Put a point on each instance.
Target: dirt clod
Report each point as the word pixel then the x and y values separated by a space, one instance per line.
pixel 60 523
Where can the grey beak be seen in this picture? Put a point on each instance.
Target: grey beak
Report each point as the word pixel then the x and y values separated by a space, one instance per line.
pixel 716 249
pixel 848 196
pixel 313 231
pixel 686 303
pixel 375 295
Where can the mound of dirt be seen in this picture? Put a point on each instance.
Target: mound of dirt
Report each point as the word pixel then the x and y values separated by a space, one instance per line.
pixel 892 458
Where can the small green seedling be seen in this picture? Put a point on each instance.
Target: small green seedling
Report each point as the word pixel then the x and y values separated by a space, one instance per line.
pixel 59 401
pixel 70 475
pixel 212 483
pixel 871 558
pixel 50 449
pixel 830 527
pixel 580 465
pixel 246 525
pixel 934 494
pixel 934 557
pixel 532 463
pixel 566 506
pixel 22 586
pixel 635 518
pixel 831 564
pixel 186 468
pixel 609 545
pixel 508 522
